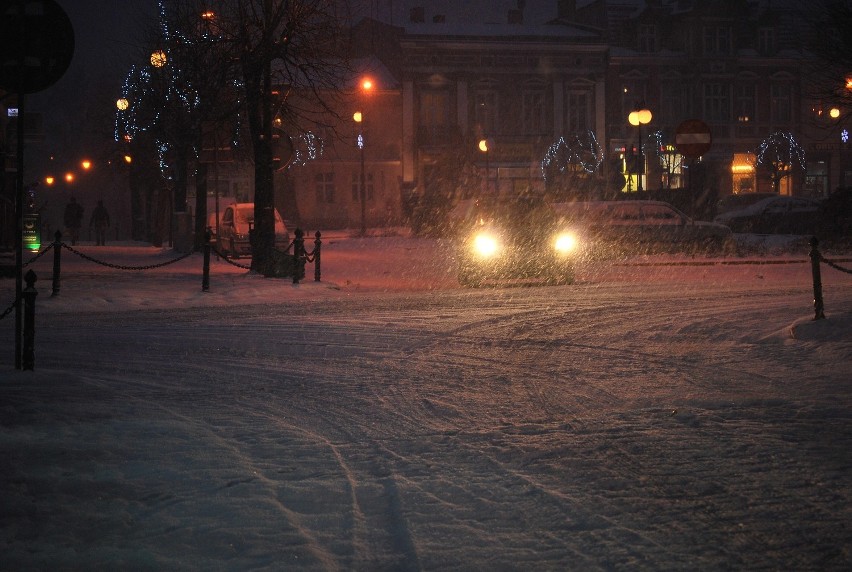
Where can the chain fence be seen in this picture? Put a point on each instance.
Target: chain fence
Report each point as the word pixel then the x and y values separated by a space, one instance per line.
pixel 123 267
pixel 836 266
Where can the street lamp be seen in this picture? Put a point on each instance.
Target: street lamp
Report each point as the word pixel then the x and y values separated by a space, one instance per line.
pixel 638 118
pixel 122 104
pixel 158 58
pixel 362 192
pixel 366 86
pixel 483 146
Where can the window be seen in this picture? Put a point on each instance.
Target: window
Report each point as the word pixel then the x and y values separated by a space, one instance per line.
pixel 744 103
pixel 578 112
pixel 717 41
pixel 434 109
pixel 717 104
pixel 486 110
pixel 766 41
pixel 356 186
pixel 660 214
pixel 781 104
pixel 533 112
pixel 673 100
pixel 324 183
pixel 647 38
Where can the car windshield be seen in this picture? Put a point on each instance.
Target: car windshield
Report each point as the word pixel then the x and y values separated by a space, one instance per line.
pixel 519 213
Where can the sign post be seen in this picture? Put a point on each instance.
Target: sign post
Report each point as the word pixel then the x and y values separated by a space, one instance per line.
pixel 693 139
pixel 37 43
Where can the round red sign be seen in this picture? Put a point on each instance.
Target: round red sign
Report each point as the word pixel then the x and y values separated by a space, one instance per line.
pixel 693 138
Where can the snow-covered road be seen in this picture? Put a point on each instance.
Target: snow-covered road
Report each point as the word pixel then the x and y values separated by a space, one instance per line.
pixel 647 418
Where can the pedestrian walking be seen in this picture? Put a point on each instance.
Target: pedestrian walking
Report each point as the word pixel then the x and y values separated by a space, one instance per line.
pixel 73 220
pixel 100 220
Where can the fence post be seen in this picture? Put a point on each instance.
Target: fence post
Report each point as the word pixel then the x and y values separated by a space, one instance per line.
pixel 28 294
pixel 816 258
pixel 298 255
pixel 57 262
pixel 205 278
pixel 317 251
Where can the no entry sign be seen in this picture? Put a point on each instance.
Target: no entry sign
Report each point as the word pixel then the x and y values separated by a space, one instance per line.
pixel 693 138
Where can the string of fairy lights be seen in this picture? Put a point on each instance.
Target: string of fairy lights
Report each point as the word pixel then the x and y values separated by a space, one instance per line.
pixel 150 93
pixel 583 150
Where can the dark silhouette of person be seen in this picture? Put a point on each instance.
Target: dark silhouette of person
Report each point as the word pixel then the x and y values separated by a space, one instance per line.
pixel 100 220
pixel 73 219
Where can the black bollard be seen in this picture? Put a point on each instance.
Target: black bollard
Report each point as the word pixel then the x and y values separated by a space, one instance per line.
pixel 29 294
pixel 57 262
pixel 205 278
pixel 317 250
pixel 298 255
pixel 816 258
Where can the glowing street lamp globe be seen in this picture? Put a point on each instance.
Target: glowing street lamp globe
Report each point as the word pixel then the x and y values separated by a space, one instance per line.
pixel 122 104
pixel 158 59
pixel 639 117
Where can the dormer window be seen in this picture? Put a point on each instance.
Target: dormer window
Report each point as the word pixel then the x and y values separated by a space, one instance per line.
pixel 766 41
pixel 717 41
pixel 647 38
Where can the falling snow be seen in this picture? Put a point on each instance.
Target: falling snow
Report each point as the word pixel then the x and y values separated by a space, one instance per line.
pixel 662 413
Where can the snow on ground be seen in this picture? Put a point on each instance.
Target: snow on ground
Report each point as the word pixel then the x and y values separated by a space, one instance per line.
pixel 663 413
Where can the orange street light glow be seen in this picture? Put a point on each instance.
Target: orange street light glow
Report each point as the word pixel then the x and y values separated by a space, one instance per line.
pixel 367 84
pixel 49 180
pixel 128 159
pixel 86 164
pixel 357 116
pixel 69 177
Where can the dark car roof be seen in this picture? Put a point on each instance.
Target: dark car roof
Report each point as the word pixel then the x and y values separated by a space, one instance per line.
pixel 757 208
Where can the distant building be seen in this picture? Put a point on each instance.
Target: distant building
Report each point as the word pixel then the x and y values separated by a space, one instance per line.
pixel 547 87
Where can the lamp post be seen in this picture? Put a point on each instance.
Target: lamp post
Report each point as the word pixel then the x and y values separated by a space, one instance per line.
pixel 366 86
pixel 362 186
pixel 638 118
pixel 483 146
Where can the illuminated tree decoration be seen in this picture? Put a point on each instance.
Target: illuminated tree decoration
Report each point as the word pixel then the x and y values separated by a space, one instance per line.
pixel 308 147
pixel 581 151
pixel 778 156
pixel 671 162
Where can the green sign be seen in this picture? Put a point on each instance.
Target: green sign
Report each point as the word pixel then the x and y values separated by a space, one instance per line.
pixel 32 232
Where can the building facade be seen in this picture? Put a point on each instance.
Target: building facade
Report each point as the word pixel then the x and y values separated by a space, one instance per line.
pixel 508 96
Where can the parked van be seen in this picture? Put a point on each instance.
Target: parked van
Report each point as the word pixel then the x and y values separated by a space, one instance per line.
pixel 236 221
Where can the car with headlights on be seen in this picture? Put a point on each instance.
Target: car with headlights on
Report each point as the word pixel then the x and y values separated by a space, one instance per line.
pixel 515 239
pixel 236 222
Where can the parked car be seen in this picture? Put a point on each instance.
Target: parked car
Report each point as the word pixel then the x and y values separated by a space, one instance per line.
pixel 775 215
pixel 630 226
pixel 519 238
pixel 738 202
pixel 234 225
pixel 836 216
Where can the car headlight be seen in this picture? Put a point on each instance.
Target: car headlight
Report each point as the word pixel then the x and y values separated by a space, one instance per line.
pixel 485 245
pixel 565 243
